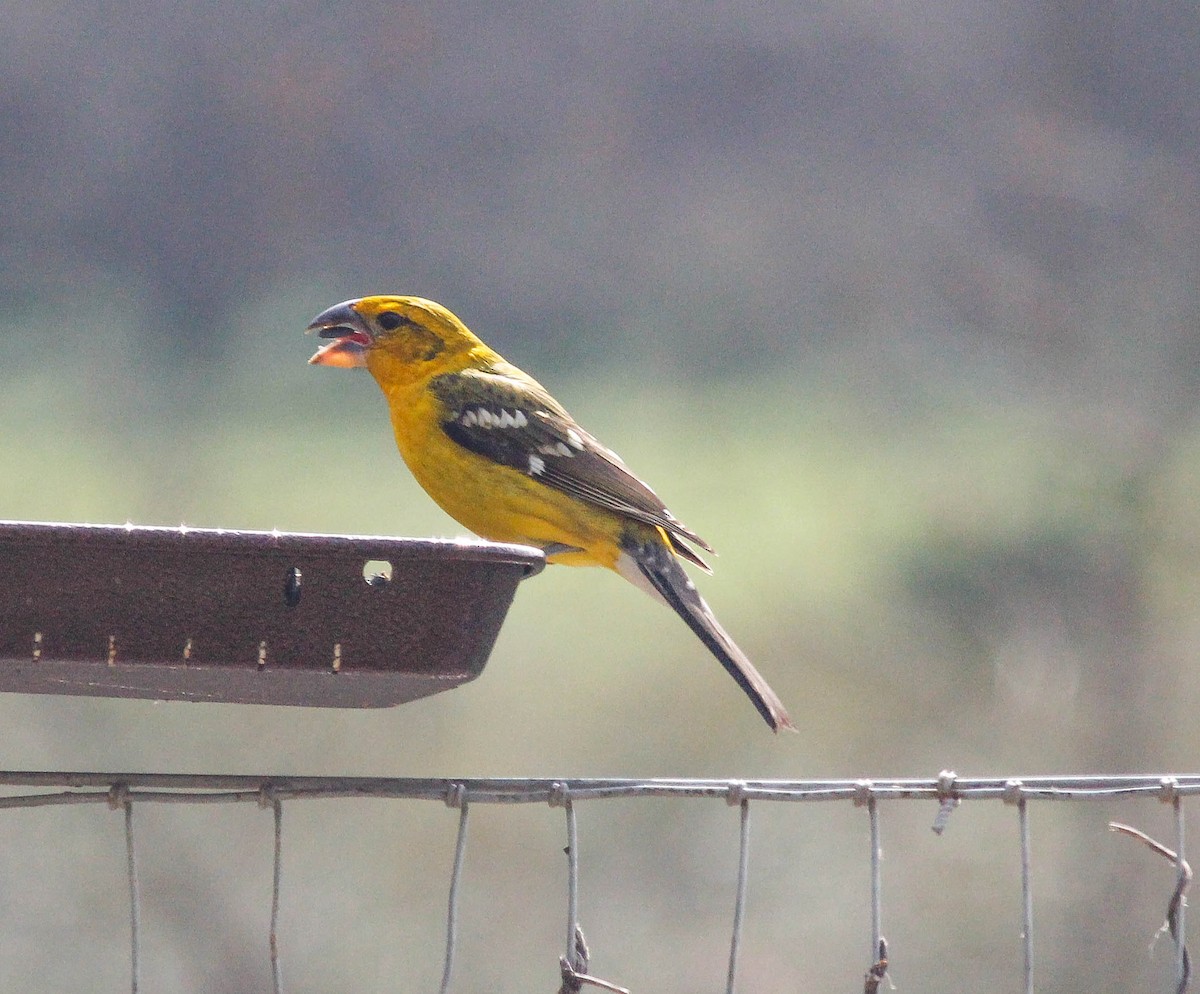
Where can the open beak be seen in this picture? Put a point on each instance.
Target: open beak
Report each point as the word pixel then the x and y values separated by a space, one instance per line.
pixel 350 340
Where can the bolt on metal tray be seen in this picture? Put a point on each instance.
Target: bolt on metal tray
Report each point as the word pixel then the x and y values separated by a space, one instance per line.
pixel 248 617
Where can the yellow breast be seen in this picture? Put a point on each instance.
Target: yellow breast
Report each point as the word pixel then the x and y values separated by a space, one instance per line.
pixel 495 502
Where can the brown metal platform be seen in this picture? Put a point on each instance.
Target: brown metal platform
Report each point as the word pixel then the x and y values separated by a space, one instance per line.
pixel 248 617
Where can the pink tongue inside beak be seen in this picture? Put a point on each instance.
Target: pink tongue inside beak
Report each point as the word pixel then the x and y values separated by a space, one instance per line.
pixel 347 351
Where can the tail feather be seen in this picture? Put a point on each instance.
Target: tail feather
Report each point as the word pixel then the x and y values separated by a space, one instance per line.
pixel 657 566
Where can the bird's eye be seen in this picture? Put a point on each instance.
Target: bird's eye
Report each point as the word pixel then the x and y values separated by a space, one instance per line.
pixel 389 320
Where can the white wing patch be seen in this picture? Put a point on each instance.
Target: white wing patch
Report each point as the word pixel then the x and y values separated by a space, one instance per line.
pixel 490 418
pixel 556 449
pixel 481 417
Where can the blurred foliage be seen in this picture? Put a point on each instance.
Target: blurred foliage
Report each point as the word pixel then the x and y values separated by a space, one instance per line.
pixel 897 307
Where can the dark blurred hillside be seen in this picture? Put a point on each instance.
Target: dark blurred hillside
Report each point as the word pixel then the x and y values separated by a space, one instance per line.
pixel 699 187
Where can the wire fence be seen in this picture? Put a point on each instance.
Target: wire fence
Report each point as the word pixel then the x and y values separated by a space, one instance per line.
pixel 125 791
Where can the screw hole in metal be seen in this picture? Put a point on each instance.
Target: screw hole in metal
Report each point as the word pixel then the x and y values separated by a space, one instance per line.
pixel 291 587
pixel 377 572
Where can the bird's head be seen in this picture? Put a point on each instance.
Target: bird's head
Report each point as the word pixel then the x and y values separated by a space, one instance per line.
pixel 390 335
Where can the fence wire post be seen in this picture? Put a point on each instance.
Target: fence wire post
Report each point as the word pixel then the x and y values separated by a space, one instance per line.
pixel 1026 893
pixel 118 797
pixel 737 795
pixel 1181 962
pixel 864 796
pixel 268 797
pixel 135 915
pixel 876 876
pixel 572 886
pixel 456 796
pixel 561 797
pixel 1014 794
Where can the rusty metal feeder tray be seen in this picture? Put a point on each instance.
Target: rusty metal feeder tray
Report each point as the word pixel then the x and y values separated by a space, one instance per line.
pixel 247 617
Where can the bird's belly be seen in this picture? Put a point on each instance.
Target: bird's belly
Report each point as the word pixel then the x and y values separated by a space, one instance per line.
pixel 504 505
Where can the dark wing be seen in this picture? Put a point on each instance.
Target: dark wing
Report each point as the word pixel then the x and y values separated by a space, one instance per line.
pixel 511 419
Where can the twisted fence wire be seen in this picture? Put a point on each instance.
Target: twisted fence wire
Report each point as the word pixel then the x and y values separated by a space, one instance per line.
pixel 122 790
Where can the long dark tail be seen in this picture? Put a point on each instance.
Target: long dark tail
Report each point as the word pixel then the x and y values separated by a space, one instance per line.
pixel 658 565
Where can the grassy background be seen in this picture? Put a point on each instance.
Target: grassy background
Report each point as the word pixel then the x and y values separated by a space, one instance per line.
pixel 968 582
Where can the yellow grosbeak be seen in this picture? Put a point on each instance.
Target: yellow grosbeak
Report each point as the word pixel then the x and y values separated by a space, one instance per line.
pixel 498 453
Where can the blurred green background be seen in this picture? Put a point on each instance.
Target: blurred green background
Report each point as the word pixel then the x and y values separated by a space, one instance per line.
pixel 895 304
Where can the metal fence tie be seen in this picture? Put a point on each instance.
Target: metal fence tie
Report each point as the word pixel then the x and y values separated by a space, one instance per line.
pixel 947 800
pixel 573 979
pixel 878 971
pixel 118 794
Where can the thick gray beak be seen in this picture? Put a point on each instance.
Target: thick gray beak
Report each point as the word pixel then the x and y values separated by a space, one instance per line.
pixel 350 339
